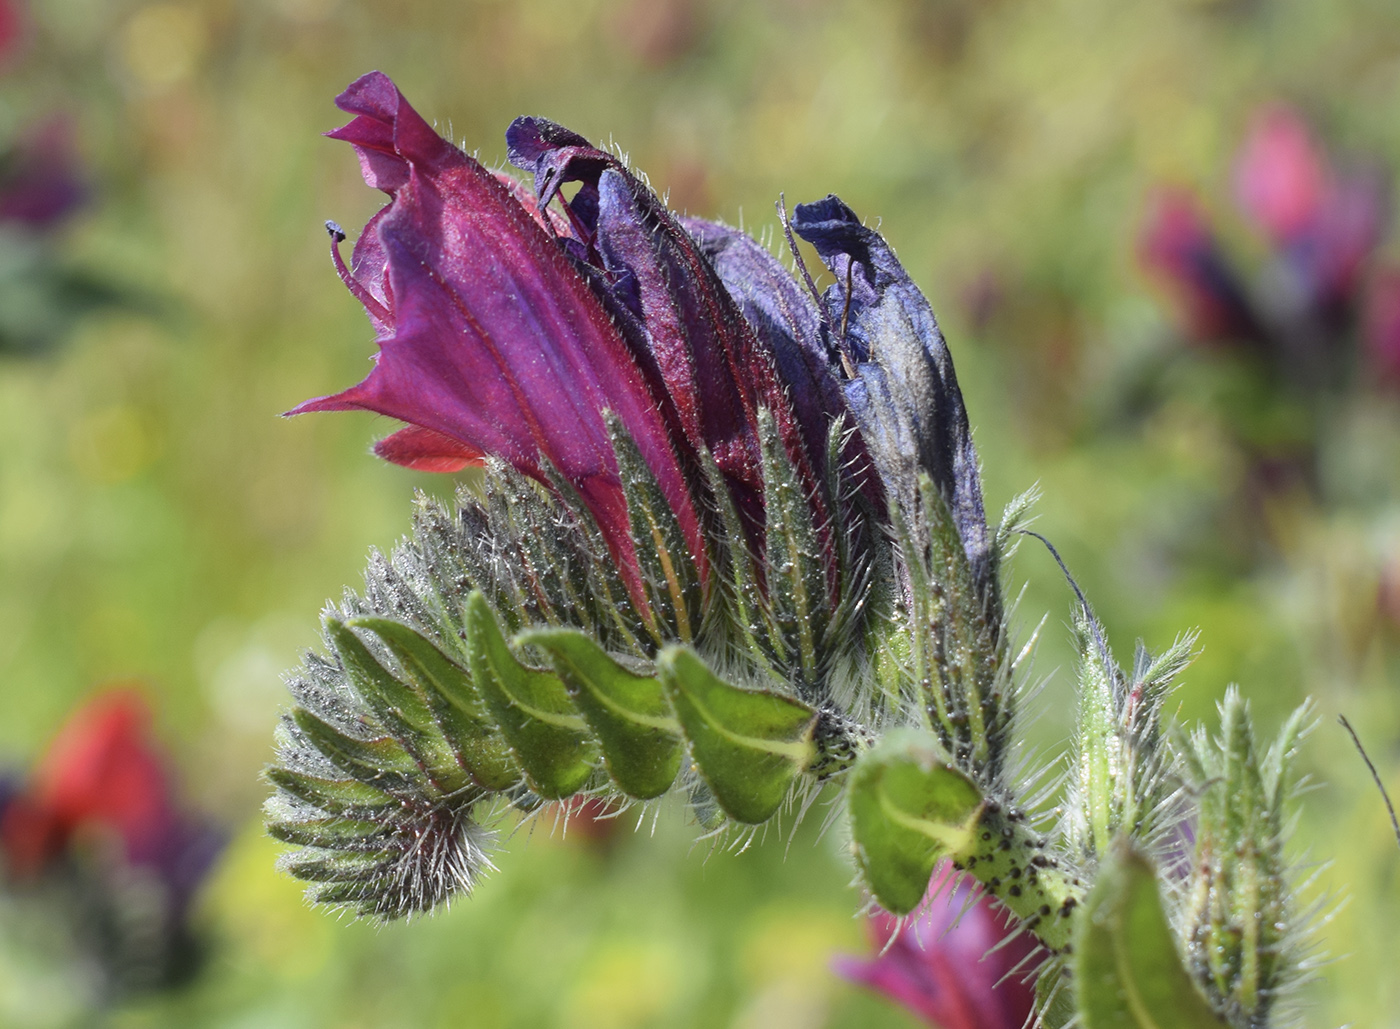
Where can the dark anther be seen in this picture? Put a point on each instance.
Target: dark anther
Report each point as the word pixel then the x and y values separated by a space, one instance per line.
pixel 337 233
pixel 1015 891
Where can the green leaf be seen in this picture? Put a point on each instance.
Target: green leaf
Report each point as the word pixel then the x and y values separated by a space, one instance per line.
pixel 379 762
pixel 404 713
pixel 1127 969
pixel 341 834
pixel 549 737
pixel 335 796
pixel 909 807
pixel 629 713
pixel 457 710
pixel 748 745
pixel 358 867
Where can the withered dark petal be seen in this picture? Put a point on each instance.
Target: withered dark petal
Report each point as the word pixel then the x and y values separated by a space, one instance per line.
pixel 905 393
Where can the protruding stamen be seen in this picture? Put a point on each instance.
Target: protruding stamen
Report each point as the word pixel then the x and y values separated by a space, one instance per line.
pixel 376 310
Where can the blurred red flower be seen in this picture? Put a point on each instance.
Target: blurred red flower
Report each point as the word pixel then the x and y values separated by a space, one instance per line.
pixel 103 777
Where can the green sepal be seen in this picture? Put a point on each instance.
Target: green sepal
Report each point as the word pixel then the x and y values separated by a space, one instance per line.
pixel 669 574
pixel 458 711
pixel 748 745
pixel 629 713
pixel 539 721
pixel 334 796
pixel 1128 973
pixel 403 711
pixel 909 807
pixel 797 586
pixel 380 762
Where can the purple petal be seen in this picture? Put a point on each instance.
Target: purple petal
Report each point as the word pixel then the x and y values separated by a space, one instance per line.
pixel 786 320
pixel 687 332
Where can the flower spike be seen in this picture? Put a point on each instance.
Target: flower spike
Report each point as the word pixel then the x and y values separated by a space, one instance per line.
pixel 732 545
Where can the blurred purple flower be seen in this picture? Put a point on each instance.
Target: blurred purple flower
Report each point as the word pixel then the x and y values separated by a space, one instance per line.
pixel 1179 248
pixel 953 972
pixel 102 775
pixel 41 177
pixel 1322 224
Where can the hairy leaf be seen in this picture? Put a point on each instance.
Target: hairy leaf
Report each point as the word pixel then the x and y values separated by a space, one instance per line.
pixel 456 707
pixel 629 713
pixel 1127 969
pixel 532 708
pixel 909 807
pixel 748 745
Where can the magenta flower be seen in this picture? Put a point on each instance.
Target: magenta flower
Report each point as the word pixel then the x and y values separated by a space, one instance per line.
pixel 953 972
pixel 490 340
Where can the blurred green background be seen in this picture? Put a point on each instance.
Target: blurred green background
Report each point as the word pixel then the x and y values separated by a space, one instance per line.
pixel 160 522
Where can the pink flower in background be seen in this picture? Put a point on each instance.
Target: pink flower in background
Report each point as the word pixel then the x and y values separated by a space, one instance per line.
pixel 1281 177
pixel 1325 223
pixel 1178 247
pixel 944 968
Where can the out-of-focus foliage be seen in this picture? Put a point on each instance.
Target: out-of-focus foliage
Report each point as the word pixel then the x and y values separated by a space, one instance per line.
pixel 158 519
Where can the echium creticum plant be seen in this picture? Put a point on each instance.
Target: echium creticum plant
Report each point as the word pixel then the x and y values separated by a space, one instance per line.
pixel 731 545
